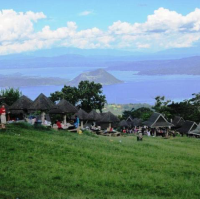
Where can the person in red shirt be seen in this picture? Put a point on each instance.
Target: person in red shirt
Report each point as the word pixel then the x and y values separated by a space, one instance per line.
pixel 3 116
pixel 59 125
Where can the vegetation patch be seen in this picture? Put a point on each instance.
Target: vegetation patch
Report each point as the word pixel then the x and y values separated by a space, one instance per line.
pixel 58 164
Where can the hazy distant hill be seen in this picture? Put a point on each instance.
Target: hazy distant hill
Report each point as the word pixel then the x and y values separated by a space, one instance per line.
pixel 98 76
pixel 188 66
pixel 18 80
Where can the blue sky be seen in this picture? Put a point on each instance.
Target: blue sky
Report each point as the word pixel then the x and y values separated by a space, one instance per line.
pixel 90 14
pixel 104 13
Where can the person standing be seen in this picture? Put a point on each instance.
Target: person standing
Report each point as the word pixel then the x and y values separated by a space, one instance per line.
pixel 76 124
pixel 3 116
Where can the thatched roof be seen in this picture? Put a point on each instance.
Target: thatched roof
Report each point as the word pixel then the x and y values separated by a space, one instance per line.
pixel 22 103
pixel 94 116
pixel 157 120
pixel 66 106
pixel 56 111
pixel 178 121
pixel 129 119
pixel 109 118
pixel 16 112
pixel 187 127
pixel 42 103
pixel 82 115
pixel 136 122
pixel 123 123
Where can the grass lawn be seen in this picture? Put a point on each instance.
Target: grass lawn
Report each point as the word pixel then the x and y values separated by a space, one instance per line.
pixel 53 165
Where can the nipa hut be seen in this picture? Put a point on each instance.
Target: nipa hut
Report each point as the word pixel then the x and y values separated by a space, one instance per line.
pixel 157 120
pixel 124 124
pixel 21 106
pixel 109 118
pixel 187 127
pixel 129 120
pixel 43 104
pixel 64 107
pixel 136 122
pixel 177 122
pixel 94 116
pixel 195 132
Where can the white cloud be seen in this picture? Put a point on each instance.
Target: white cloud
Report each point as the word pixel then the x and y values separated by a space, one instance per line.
pixel 143 45
pixel 163 29
pixel 85 13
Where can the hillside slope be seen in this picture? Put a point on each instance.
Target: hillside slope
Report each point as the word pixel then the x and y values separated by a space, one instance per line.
pixel 49 164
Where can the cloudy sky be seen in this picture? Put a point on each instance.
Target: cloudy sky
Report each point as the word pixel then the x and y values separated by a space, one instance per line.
pixel 133 25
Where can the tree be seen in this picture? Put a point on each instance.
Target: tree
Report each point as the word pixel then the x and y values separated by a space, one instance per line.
pixel 141 113
pixel 88 95
pixel 69 93
pixel 161 106
pixel 11 95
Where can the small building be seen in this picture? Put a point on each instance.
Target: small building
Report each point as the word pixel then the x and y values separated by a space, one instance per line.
pixel 157 120
pixel 178 122
pixel 124 124
pixel 187 127
pixel 196 132
pixel 20 107
pixel 108 119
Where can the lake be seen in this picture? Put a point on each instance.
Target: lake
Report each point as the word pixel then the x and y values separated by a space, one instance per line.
pixel 135 89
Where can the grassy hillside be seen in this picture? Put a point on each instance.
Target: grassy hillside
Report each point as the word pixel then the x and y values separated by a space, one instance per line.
pixel 41 164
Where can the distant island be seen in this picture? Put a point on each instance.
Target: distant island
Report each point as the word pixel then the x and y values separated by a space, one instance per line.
pixel 98 76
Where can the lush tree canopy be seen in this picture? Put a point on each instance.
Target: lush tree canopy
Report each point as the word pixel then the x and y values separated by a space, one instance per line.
pixel 88 95
pixel 142 113
pixel 188 109
pixel 11 95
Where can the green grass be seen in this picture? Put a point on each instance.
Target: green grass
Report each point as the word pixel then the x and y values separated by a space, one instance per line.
pixel 37 163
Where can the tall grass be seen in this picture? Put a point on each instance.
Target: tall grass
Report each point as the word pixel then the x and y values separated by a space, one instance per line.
pixel 57 164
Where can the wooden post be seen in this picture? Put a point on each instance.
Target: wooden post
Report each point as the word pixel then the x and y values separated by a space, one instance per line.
pixel 109 125
pixel 43 117
pixel 82 124
pixel 65 120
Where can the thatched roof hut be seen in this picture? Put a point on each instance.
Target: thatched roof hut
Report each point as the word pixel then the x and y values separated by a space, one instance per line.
pixel 178 122
pixel 123 123
pixel 23 103
pixel 42 103
pixel 66 106
pixel 94 116
pixel 187 127
pixel 157 120
pixel 137 122
pixel 82 115
pixel 109 118
pixel 129 119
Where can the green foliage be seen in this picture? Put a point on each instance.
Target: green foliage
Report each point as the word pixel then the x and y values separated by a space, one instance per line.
pixel 11 95
pixel 88 95
pixel 141 113
pixel 188 109
pixel 69 93
pixel 161 106
pixel 58 164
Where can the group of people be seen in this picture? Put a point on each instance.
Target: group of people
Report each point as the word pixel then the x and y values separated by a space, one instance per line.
pixel 61 126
